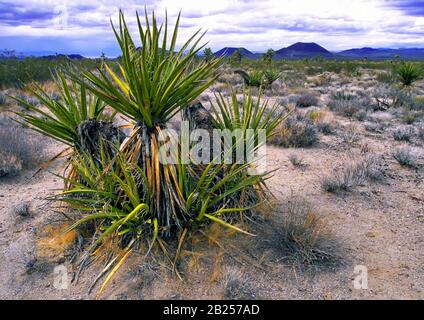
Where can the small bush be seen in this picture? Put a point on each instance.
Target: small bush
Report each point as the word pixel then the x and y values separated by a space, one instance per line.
pixel 350 135
pixel 236 286
pixel 406 156
pixel 347 104
pixel 354 174
pixel 297 131
pixel 252 79
pixel 374 127
pixel 270 76
pixel 307 100
pixel 19 148
pixel 296 161
pixel 408 116
pixel 299 237
pixel 403 134
pixel 326 127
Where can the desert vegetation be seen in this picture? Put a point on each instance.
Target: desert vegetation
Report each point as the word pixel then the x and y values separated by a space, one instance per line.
pixel 343 139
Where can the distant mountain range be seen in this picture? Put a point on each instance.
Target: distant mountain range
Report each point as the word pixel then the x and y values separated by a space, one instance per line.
pixel 299 50
pixel 302 50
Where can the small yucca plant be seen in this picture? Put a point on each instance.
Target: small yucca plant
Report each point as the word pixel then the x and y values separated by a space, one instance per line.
pixel 65 114
pixel 254 78
pixel 408 73
pixel 270 76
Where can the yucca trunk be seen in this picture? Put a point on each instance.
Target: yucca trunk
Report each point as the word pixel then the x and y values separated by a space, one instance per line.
pixel 163 195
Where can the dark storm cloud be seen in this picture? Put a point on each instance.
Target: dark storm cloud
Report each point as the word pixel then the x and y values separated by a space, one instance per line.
pixel 15 14
pixel 412 8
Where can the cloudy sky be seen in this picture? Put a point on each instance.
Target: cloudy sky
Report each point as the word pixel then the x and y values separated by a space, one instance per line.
pixel 81 26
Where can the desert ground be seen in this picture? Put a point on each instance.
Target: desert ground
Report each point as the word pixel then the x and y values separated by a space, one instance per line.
pixel 350 162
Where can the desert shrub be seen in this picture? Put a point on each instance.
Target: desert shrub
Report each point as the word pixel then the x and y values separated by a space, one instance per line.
pixel 299 237
pixel 403 134
pixel 307 100
pixel 374 127
pixel 325 127
pixel 418 103
pixel 347 104
pixel 297 131
pixel 350 135
pixel 408 116
pixel 406 156
pixel 19 148
pixel 408 73
pixel 386 77
pixel 236 285
pixel 296 161
pixel 354 174
pixel 386 96
pixel 316 115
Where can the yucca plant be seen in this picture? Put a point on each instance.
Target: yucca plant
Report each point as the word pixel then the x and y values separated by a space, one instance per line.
pixel 253 79
pixel 270 76
pixel 115 202
pixel 129 194
pixel 408 73
pixel 64 115
pixel 154 83
pixel 249 113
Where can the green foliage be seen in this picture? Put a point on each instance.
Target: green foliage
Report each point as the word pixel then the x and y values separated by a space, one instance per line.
pixel 231 114
pixel 268 55
pixel 208 54
pixel 61 122
pixel 270 76
pixel 19 72
pixel 408 73
pixel 154 83
pixel 236 57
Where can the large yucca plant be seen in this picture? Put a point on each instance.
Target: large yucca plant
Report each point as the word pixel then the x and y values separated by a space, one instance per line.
pixel 154 83
pixel 128 194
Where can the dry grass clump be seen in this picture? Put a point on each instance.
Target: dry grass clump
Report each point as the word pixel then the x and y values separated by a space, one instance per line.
pixel 297 131
pixel 236 285
pixel 307 100
pixel 403 134
pixel 354 174
pixel 296 160
pixel 299 237
pixel 19 148
pixel 349 104
pixel 406 156
pixel 350 135
pixel 55 241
